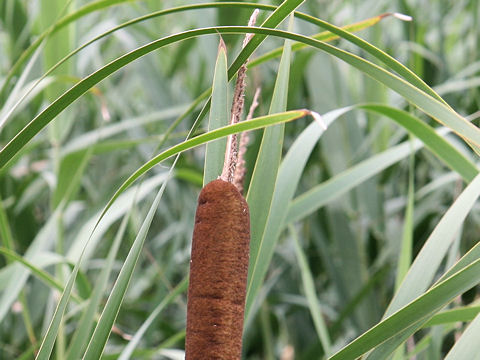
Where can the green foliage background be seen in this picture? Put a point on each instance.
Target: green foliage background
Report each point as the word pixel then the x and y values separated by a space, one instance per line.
pixel 364 236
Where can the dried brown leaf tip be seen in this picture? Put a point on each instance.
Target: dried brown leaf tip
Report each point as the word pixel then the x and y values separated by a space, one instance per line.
pixel 221 45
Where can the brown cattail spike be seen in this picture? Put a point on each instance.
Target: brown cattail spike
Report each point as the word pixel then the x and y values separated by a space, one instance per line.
pixel 218 274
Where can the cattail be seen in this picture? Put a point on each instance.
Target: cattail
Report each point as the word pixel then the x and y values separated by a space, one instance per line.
pixel 218 274
pixel 220 254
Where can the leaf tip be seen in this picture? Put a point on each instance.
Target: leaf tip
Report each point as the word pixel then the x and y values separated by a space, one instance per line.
pixel 402 17
pixel 399 16
pixel 318 118
pixel 222 46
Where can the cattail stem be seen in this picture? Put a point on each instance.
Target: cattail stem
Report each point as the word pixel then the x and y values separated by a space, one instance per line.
pixel 231 153
pixel 240 169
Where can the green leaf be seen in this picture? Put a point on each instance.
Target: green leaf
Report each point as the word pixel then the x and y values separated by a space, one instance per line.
pixel 262 183
pixel 405 255
pixel 467 347
pixel 5 230
pixel 69 175
pixel 112 307
pixel 84 326
pixel 320 195
pixel 287 180
pixel 64 21
pixel 172 295
pixel 253 124
pixel 445 152
pixel 310 293
pixel 420 99
pixel 417 311
pixel 426 263
pixel 215 150
pixel 89 239
pixel 96 136
pixel 49 338
pixel 425 266
pixel 55 47
pixel 390 345
pixel 18 277
pixel 36 271
pixel 388 60
pixel 325 36
pixel 460 314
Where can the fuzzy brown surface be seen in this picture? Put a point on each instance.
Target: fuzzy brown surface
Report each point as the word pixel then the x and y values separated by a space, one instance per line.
pixel 218 274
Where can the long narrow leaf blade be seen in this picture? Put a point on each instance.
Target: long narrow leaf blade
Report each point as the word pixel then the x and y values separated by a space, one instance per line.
pixel 419 310
pixel 423 269
pixel 288 177
pixel 215 151
pixel 262 184
pixel 109 314
pixel 430 105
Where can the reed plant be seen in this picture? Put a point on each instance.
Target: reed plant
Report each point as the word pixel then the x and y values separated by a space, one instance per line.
pixel 363 219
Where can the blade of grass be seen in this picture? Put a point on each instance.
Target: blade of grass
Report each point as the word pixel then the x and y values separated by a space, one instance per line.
pixel 428 260
pixel 113 306
pixel 55 48
pixel 325 36
pixel 287 181
pixel 102 4
pixel 51 334
pixel 390 345
pixel 256 123
pixel 215 150
pixel 310 293
pixel 97 135
pixel 329 190
pixel 426 263
pixel 69 175
pixel 467 347
pixel 172 295
pixel 388 60
pixel 417 311
pixel 360 296
pixel 19 276
pixel 262 183
pixel 420 99
pixel 313 199
pixel 47 115
pixel 288 177
pixel 445 152
pixel 5 230
pixel 10 105
pixel 84 327
pixel 104 326
pixel 405 255
pixel 123 206
pixel 36 271
pixel 279 13
pixel 64 21
pixel 460 314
